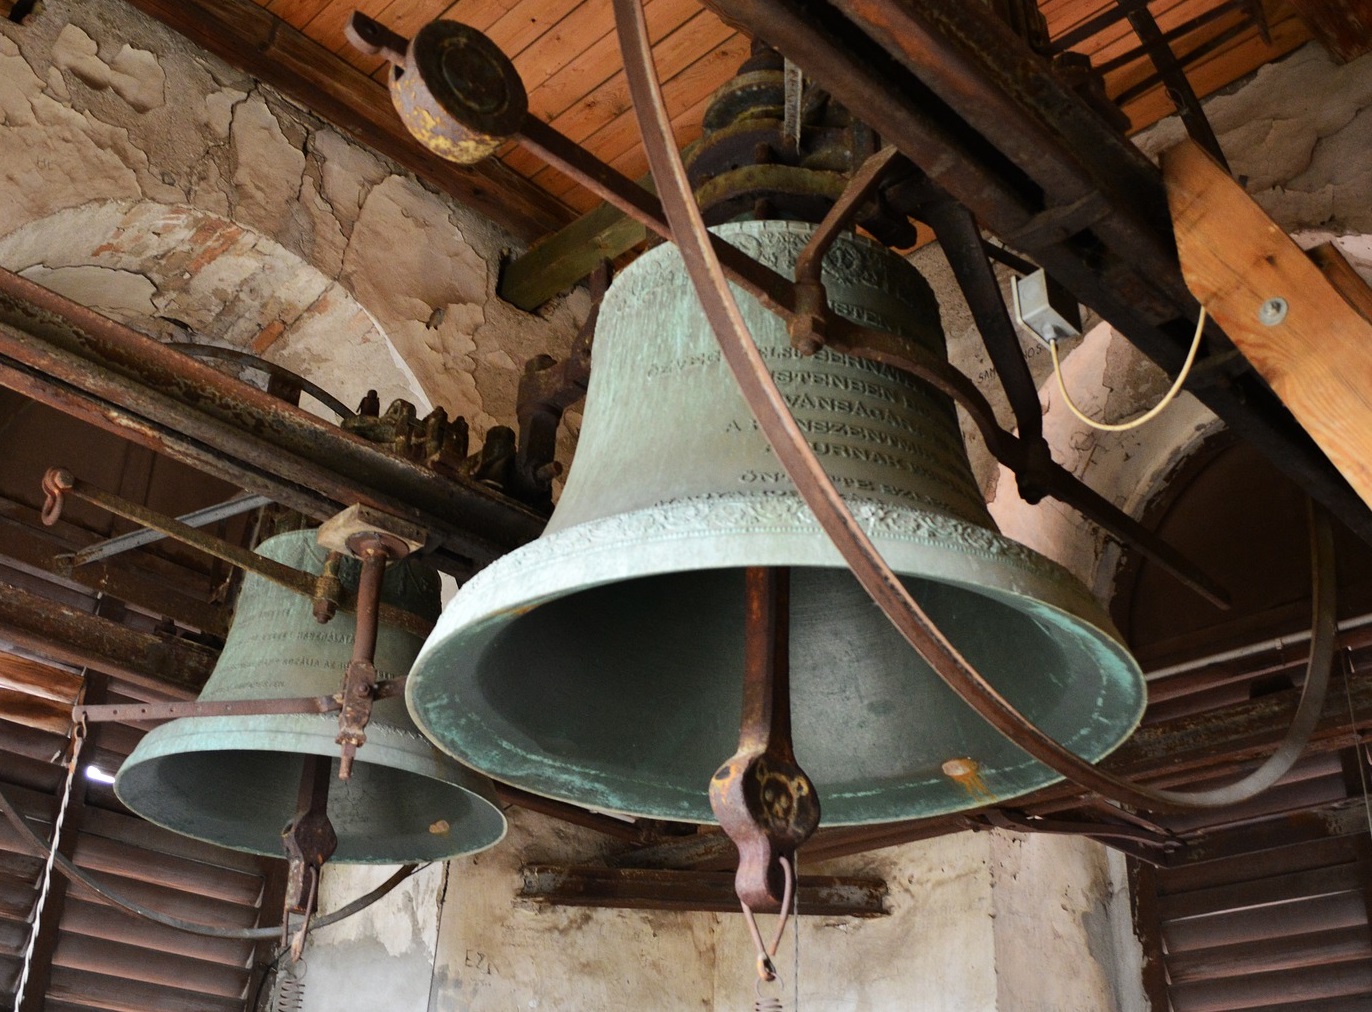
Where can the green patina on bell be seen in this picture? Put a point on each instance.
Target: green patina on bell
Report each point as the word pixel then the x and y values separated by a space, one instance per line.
pixel 602 664
pixel 234 780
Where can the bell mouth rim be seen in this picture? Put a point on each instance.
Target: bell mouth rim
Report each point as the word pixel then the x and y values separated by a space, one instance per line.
pixel 519 581
pixel 266 737
pixel 647 543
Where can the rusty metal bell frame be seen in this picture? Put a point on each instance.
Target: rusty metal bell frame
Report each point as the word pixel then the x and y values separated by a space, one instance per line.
pixel 234 780
pixel 602 664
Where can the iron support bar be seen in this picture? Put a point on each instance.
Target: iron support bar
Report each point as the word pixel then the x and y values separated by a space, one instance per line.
pixel 1173 75
pixel 960 239
pixel 643 889
pixel 292 579
pixel 135 539
pixel 81 363
pixel 130 713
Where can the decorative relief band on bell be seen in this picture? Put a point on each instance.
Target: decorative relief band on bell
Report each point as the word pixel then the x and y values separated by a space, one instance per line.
pixel 712 517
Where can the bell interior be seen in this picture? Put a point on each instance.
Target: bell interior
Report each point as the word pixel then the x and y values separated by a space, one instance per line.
pixel 395 808
pixel 627 696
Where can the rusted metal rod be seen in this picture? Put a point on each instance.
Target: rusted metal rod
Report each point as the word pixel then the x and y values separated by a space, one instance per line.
pixel 59 481
pixel 132 713
pixel 83 364
pixel 359 679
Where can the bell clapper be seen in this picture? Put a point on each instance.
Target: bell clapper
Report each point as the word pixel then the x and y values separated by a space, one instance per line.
pixel 764 801
pixel 309 840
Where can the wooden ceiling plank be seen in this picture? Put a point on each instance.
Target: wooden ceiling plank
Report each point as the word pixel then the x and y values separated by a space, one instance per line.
pixel 1318 357
pixel 1300 856
pixel 600 61
pixel 326 28
pixel 686 129
pixel 604 121
pixel 599 84
pixel 617 142
pixel 173 902
pixel 248 37
pixel 1235 59
pixel 135 832
pixel 677 53
pixel 106 857
pixel 524 23
pixel 43 680
pixel 405 18
pixel 31 711
pixel 1262 892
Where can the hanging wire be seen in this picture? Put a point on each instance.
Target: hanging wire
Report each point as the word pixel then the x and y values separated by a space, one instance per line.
pixel 1152 412
pixel 766 954
pixel 78 738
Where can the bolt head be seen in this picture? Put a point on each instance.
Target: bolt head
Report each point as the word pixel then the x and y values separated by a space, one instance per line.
pixel 1272 312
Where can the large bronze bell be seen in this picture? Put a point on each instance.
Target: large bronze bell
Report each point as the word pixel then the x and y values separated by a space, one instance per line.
pixel 234 780
pixel 602 664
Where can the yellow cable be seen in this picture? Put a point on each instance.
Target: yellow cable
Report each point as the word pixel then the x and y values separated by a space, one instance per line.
pixel 1152 412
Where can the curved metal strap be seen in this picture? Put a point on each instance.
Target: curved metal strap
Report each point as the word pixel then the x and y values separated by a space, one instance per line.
pixel 813 484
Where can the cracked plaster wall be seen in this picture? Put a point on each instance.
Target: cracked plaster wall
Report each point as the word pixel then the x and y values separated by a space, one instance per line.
pixel 148 178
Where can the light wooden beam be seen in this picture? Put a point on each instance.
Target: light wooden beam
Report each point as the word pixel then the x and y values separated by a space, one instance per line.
pixel 1313 346
pixel 248 37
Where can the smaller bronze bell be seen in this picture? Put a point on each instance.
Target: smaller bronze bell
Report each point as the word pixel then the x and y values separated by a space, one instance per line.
pixel 234 780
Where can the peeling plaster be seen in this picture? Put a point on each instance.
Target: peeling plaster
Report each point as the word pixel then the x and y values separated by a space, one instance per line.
pixel 134 74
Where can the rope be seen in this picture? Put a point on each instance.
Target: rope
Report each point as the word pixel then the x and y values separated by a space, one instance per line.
pixel 78 738
pixel 1152 412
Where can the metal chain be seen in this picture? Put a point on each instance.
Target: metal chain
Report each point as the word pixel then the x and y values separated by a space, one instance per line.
pixel 78 738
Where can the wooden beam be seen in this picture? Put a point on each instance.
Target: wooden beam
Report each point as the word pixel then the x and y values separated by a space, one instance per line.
pixel 259 43
pixel 44 627
pixel 1314 348
pixel 645 889
pixel 567 256
pixel 1343 27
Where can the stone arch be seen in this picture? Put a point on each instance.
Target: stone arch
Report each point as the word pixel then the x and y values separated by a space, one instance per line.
pixel 179 273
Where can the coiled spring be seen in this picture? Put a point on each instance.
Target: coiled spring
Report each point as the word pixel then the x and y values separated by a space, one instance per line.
pixel 767 1002
pixel 290 991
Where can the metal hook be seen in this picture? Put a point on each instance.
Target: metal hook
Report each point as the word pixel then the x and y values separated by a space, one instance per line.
pixel 766 969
